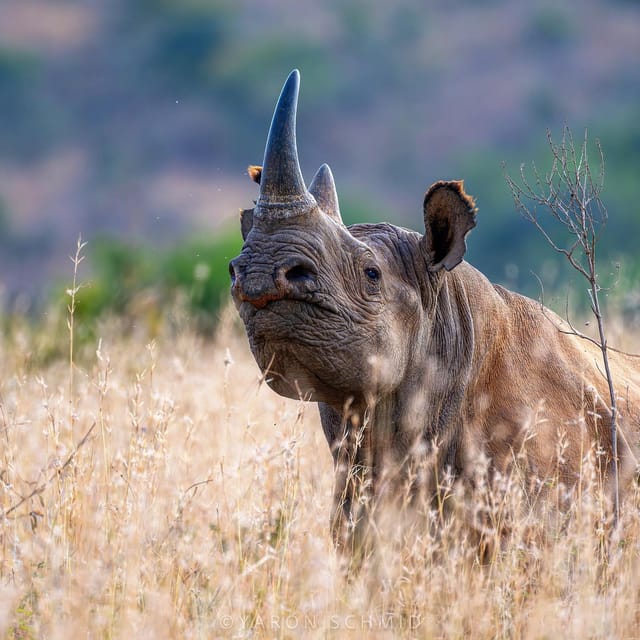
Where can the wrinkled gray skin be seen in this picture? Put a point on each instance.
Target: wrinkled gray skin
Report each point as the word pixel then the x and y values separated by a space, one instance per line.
pixel 399 341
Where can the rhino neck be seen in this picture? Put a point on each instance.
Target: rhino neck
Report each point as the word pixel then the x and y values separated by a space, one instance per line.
pixel 428 404
pixel 404 439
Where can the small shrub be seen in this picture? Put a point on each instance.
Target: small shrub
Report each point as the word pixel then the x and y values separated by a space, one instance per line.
pixel 139 282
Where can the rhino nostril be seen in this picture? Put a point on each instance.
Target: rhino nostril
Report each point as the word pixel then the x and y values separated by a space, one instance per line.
pixel 232 272
pixel 298 273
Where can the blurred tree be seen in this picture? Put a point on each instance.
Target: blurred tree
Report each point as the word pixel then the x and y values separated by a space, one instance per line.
pixel 27 117
pixel 4 221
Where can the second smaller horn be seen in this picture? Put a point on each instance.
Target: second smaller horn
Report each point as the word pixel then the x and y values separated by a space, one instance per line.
pixel 323 189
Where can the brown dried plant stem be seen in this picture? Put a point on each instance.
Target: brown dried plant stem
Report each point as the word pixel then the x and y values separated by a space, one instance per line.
pixel 570 195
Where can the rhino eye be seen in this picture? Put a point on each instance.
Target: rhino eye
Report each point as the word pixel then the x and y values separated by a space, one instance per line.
pixel 372 273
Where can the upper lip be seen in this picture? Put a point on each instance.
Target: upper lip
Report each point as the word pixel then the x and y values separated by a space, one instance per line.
pixel 313 299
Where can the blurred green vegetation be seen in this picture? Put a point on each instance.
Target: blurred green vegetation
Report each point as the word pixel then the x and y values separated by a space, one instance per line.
pixel 550 26
pixel 4 222
pixel 144 284
pixel 30 121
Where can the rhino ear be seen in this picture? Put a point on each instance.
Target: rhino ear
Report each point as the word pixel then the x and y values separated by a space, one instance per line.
pixel 255 172
pixel 246 222
pixel 449 214
pixel 323 189
pixel 246 215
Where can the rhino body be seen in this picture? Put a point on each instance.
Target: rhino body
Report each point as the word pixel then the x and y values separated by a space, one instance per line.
pixel 407 349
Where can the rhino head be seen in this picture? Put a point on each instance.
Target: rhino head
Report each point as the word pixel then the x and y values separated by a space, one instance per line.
pixel 334 314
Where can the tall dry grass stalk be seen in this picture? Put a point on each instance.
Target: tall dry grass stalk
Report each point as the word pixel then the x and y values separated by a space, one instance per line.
pixel 198 507
pixel 72 293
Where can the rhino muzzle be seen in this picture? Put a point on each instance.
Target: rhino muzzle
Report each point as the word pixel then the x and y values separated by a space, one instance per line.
pixel 292 280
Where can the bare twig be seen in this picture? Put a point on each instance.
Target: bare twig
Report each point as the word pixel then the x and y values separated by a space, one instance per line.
pixel 569 193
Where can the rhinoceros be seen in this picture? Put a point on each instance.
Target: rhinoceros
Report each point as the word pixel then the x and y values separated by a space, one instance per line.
pixel 409 350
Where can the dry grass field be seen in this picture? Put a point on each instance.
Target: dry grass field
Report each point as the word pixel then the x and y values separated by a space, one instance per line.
pixel 159 489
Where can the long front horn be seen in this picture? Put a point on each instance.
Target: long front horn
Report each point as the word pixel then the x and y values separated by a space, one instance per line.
pixel 281 184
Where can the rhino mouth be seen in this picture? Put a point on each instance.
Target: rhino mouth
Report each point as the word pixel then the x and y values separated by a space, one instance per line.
pixel 290 329
pixel 300 345
pixel 289 312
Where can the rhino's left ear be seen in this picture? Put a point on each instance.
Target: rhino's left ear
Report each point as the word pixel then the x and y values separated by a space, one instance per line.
pixel 246 215
pixel 449 214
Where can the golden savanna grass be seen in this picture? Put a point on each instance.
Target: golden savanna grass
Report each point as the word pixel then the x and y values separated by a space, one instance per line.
pixel 170 494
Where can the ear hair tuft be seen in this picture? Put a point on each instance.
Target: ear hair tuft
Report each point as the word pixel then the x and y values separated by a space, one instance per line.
pixel 255 172
pixel 457 186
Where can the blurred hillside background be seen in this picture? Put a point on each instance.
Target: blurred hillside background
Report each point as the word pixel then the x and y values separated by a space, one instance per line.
pixel 132 123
